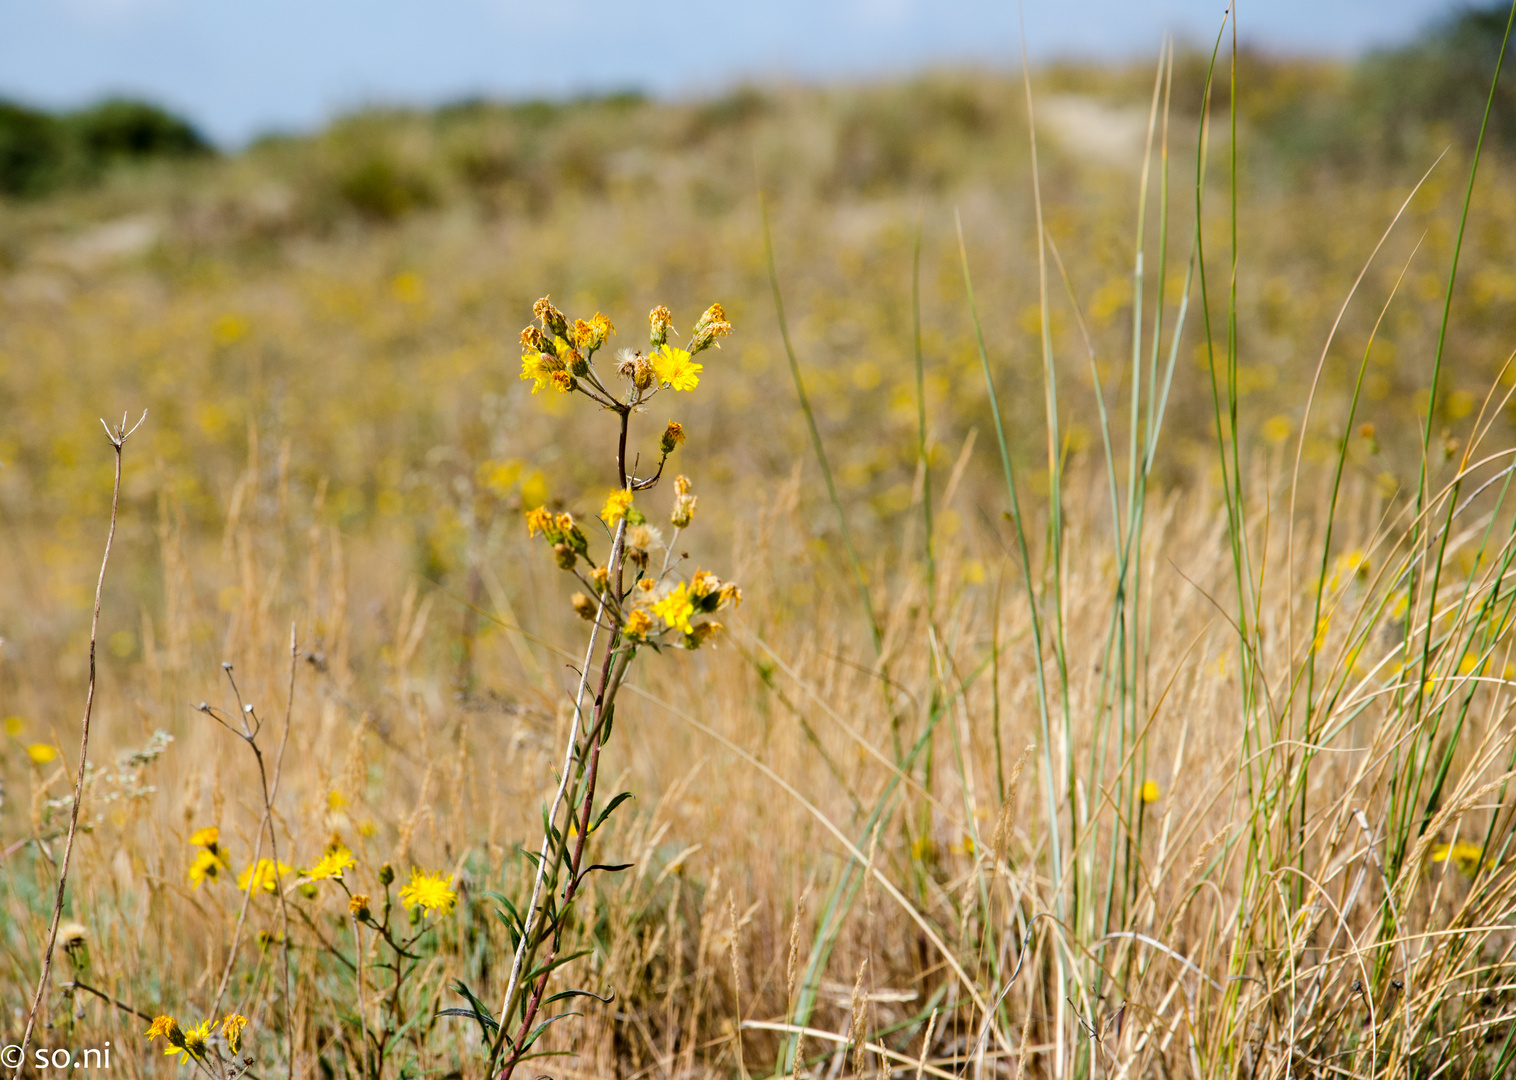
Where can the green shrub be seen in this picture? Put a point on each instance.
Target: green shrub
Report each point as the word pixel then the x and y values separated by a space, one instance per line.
pixel 33 151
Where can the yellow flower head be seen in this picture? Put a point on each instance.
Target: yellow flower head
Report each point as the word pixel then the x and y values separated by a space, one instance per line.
pixel 166 1026
pixel 429 891
pixel 675 368
pixel 208 866
pixel 206 837
pixel 357 906
pixel 540 520
pixel 617 503
pixel 659 320
pixel 196 1040
pixel 41 752
pixel 265 875
pixel 675 609
pixel 534 368
pixel 337 859
pixel 712 325
pixel 1464 855
pixel 231 1030
pixel 638 624
pixel 1150 792
pixel 591 335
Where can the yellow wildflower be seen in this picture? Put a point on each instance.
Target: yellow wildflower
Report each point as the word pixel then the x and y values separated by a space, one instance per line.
pixel 265 874
pixel 1150 792
pixel 207 837
pixel 617 503
pixel 207 866
pixel 357 906
pixel 533 367
pixel 231 1030
pixel 337 859
pixel 675 368
pixel 162 1025
pixel 168 1027
pixel 429 891
pixel 675 609
pixel 1465 856
pixel 196 1039
pixel 539 520
pixel 591 335
pixel 658 322
pixel 638 624
pixel 41 752
pixel 562 381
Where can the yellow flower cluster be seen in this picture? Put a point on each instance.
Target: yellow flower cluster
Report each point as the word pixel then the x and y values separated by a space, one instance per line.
pixel 657 612
pixel 560 354
pixel 195 1042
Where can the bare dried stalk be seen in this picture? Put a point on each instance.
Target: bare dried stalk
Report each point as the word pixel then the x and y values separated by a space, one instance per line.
pixel 118 438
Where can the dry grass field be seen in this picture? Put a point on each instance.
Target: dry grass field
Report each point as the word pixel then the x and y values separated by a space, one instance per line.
pixel 1121 684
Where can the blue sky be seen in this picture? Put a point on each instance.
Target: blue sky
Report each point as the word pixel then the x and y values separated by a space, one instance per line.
pixel 238 69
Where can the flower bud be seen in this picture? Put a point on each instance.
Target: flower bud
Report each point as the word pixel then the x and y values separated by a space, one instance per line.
pixel 358 907
pixel 673 435
pixel 584 607
pixel 577 364
pixel 565 555
pixel 309 890
pixel 386 874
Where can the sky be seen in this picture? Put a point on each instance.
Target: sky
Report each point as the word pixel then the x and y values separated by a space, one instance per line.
pixel 239 69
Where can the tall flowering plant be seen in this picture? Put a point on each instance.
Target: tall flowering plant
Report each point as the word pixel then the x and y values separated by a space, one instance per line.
pixel 639 596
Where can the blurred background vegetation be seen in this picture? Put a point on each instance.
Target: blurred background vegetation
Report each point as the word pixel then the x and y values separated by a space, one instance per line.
pixel 343 306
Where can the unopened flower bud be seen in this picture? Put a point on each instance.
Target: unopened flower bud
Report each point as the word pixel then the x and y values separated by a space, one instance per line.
pixel 386 874
pixel 565 555
pixel 584 607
